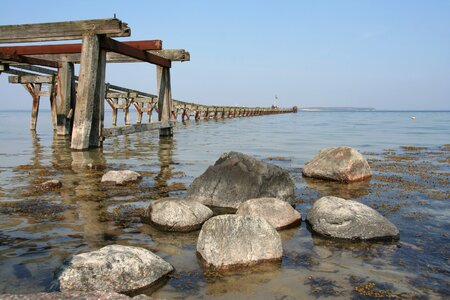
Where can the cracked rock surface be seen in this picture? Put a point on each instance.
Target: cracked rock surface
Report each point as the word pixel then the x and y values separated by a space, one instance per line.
pixel 280 214
pixel 228 241
pixel 347 219
pixel 344 164
pixel 174 214
pixel 112 268
pixel 236 177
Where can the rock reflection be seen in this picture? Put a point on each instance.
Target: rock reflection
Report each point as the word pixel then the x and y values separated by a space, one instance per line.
pixel 343 190
pixel 165 156
pixel 176 239
pixel 361 250
pixel 37 148
pixel 89 195
pixel 242 281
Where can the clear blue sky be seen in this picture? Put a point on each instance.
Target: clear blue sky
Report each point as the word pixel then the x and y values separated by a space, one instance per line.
pixel 383 54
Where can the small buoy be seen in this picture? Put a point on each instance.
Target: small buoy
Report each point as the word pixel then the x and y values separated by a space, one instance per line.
pixel 413 117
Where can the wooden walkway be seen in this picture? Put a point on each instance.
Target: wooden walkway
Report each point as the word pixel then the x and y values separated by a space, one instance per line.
pixel 77 102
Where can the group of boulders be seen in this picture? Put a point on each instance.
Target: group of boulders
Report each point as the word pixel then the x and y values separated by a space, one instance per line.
pixel 262 195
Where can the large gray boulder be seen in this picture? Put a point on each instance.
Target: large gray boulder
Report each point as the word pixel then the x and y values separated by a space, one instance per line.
pixel 173 214
pixel 228 241
pixel 278 213
pixel 111 268
pixel 343 164
pixel 348 219
pixel 236 177
pixel 121 177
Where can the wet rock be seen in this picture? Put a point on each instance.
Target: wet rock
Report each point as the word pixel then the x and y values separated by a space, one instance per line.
pixel 343 164
pixel 278 213
pixel 112 268
pixel 72 295
pixel 348 219
pixel 121 177
pixel 228 241
pixel 236 177
pixel 49 185
pixel 173 214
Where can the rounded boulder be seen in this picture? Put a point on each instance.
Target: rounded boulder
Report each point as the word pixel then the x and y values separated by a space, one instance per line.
pixel 236 177
pixel 343 164
pixel 280 214
pixel 347 219
pixel 173 214
pixel 112 268
pixel 228 241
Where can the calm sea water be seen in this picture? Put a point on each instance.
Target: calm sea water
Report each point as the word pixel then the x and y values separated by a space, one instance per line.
pixel 38 230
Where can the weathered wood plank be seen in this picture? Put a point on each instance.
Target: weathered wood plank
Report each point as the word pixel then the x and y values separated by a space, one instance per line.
pixel 90 95
pixel 36 69
pixel 111 57
pixel 28 60
pixel 30 79
pixel 62 30
pixel 145 100
pixel 121 130
pixel 76 49
pixel 170 54
pixel 121 48
pixel 121 94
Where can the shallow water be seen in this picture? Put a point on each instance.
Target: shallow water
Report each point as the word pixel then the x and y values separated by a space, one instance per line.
pixel 410 186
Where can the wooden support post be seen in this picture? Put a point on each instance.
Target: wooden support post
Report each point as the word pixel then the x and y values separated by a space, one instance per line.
pixel 66 86
pixel 140 110
pixel 164 99
pixel 174 114
pixel 150 112
pixel 197 115
pixel 126 110
pixel 53 88
pixel 113 104
pixel 34 89
pixel 89 110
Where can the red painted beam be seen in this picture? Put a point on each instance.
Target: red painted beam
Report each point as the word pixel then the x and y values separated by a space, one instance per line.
pixel 114 46
pixel 28 60
pixel 72 48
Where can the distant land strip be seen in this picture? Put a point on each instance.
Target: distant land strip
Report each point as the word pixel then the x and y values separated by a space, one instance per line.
pixel 336 109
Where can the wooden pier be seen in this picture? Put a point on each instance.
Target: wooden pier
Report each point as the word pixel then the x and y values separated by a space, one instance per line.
pixel 77 102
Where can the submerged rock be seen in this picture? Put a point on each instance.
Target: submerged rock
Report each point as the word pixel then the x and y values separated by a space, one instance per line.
pixel 278 213
pixel 112 268
pixel 348 219
pixel 49 185
pixel 121 177
pixel 228 241
pixel 173 214
pixel 236 177
pixel 343 164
